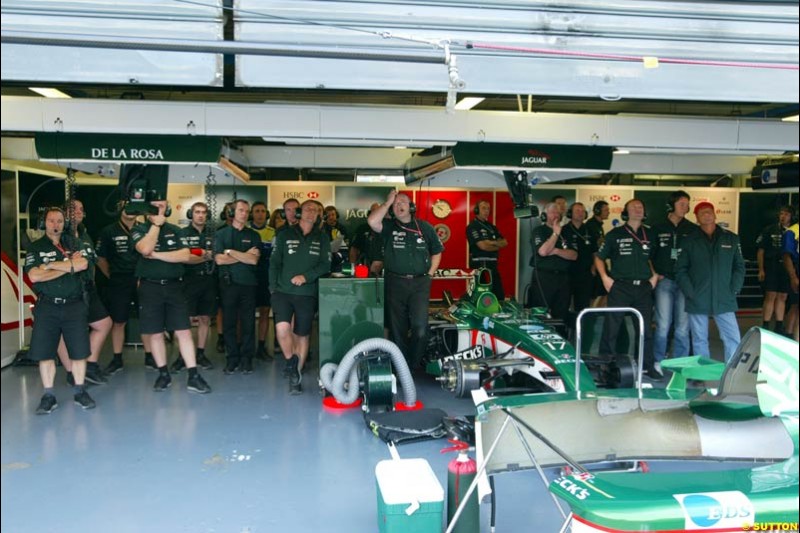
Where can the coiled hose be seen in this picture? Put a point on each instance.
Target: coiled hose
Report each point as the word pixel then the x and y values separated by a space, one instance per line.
pixel 333 376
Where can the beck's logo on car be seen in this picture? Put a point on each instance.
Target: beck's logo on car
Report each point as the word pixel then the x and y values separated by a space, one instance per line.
pixel 476 352
pixel 728 509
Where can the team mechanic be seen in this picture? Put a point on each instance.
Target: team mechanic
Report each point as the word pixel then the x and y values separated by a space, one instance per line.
pixel 485 241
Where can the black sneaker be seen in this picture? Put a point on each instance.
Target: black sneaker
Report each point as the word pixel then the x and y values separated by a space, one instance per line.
pixel 150 362
pixel 70 379
pixel 84 400
pixel 177 365
pixel 230 368
pixel 295 388
pixel 220 345
pixel 114 366
pixel 47 404
pixel 287 366
pixel 247 366
pixel 95 375
pixel 204 362
pixel 654 374
pixel 162 382
pixel 295 376
pixel 197 384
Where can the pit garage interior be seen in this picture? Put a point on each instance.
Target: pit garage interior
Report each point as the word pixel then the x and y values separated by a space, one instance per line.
pixel 333 100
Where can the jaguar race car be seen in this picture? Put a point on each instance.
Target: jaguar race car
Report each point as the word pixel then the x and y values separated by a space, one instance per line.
pixel 480 343
pixel 719 459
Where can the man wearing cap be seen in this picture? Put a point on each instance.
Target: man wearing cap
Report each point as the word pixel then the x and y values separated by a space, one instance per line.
pixel 710 272
pixel 670 303
pixel 632 278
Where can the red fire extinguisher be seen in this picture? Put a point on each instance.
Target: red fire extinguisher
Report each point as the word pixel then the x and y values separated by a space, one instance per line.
pixel 461 472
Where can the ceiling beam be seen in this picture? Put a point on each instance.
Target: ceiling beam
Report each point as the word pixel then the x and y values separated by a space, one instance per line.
pixel 399 125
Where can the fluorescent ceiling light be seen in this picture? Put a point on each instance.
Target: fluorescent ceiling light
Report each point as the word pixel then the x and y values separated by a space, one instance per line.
pixel 390 143
pixel 49 92
pixel 380 178
pixel 621 152
pixel 792 118
pixel 469 102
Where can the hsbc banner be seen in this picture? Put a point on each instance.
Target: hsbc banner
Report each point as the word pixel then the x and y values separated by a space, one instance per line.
pixel 616 198
pixel 301 192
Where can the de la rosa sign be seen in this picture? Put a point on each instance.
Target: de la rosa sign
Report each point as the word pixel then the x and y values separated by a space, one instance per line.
pixel 123 148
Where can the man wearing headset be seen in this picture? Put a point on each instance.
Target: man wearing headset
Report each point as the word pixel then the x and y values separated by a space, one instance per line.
pixel 291 213
pixel 300 256
pixel 259 217
pixel 162 305
pixel 412 252
pixel 338 236
pixel 236 252
pixel 710 272
pixel 367 247
pixel 551 261
pixel 632 278
pixel 582 273
pixel 771 272
pixel 55 270
pixel 200 281
pixel 485 241
pixel 670 302
pixel 594 226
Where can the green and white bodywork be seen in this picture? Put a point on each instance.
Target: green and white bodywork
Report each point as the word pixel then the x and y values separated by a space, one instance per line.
pixel 751 417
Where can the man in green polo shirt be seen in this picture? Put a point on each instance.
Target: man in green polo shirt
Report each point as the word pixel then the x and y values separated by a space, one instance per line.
pixel 162 305
pixel 55 267
pixel 236 251
pixel 300 256
pixel 632 278
pixel 412 252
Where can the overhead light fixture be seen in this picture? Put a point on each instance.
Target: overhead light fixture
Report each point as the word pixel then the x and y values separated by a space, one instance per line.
pixel 469 102
pixel 228 166
pixel 49 92
pixel 380 178
pixel 792 118
pixel 619 151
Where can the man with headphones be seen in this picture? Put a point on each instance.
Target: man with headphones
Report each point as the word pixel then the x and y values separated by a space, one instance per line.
pixel 582 273
pixel 300 256
pixel 485 241
pixel 791 253
pixel 632 278
pixel 367 246
pixel 117 260
pixel 162 304
pixel 200 281
pixel 338 236
pixel 594 226
pixel 412 252
pixel 551 261
pixel 670 303
pixel 290 213
pixel 258 221
pixel 55 268
pixel 771 273
pixel 237 249
pixel 710 271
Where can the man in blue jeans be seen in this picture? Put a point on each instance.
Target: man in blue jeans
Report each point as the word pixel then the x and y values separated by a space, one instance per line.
pixel 710 272
pixel 670 304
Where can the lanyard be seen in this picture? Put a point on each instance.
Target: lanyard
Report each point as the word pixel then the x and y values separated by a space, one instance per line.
pixel 417 231
pixel 644 242
pixel 61 249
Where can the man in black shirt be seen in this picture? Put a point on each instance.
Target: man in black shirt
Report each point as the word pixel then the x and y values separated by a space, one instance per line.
pixel 55 269
pixel 485 241
pixel 236 251
pixel 367 246
pixel 582 272
pixel 552 260
pixel 600 213
pixel 771 273
pixel 412 252
pixel 632 278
